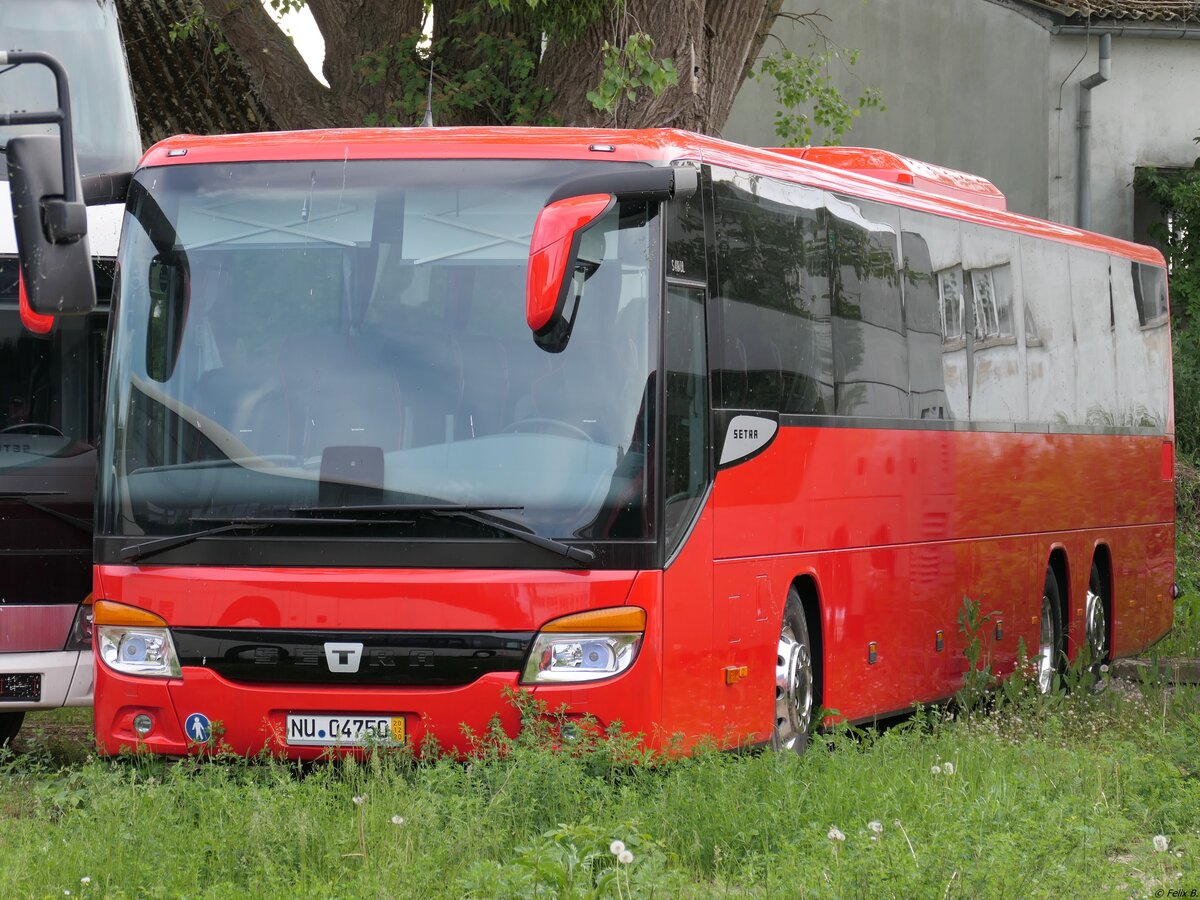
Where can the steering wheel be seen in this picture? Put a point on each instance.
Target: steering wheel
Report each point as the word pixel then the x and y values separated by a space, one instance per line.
pixel 33 428
pixel 572 430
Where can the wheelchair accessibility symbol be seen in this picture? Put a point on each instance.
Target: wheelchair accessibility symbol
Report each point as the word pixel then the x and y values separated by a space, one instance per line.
pixel 198 728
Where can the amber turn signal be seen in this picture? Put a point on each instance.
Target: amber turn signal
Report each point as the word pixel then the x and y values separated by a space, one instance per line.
pixel 106 612
pixel 607 621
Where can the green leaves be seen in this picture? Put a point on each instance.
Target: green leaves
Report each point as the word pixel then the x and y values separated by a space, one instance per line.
pixel 1178 236
pixel 803 86
pixel 494 82
pixel 630 69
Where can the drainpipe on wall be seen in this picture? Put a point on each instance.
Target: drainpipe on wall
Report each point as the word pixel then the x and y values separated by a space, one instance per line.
pixel 1083 208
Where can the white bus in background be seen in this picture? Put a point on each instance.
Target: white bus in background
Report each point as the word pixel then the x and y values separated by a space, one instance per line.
pixel 51 369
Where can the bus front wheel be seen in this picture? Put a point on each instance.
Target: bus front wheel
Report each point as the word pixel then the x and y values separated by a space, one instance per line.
pixel 793 680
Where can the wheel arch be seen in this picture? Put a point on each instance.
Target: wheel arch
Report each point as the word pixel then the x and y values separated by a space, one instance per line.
pixel 1102 559
pixel 807 589
pixel 1061 567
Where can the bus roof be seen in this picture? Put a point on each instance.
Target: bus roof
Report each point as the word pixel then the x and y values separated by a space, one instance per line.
pixel 835 171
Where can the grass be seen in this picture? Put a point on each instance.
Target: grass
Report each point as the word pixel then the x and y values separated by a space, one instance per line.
pixel 1042 796
pixel 1027 796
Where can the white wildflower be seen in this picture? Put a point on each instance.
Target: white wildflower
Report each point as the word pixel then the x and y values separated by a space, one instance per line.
pixel 359 799
pixel 1160 843
pixel 876 826
pixel 85 880
pixel 948 768
pixel 935 770
pixel 625 857
pixel 835 833
pixel 616 848
pixel 397 820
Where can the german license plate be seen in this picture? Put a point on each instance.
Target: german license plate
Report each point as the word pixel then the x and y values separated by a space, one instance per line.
pixel 344 730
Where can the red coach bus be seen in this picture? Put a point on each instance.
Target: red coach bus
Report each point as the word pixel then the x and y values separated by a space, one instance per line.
pixel 668 431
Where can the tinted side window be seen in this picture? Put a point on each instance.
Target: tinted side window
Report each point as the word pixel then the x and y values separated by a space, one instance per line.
pixel 1091 304
pixel 685 436
pixel 1150 291
pixel 921 285
pixel 774 347
pixel 997 382
pixel 870 349
pixel 1049 331
pixel 1143 344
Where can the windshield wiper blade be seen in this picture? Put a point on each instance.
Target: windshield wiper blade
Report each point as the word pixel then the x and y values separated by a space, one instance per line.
pixel 26 497
pixel 142 549
pixel 242 523
pixel 471 513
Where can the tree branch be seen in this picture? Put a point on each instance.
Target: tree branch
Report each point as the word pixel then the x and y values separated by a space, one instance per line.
pixel 276 69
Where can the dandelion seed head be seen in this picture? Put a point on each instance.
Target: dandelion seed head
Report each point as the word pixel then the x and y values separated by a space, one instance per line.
pixel 835 833
pixel 616 848
pixel 85 880
pixel 397 820
pixel 935 770
pixel 359 799
pixel 625 857
pixel 1160 843
pixel 948 768
pixel 876 826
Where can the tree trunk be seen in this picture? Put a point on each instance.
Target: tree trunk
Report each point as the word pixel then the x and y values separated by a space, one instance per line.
pixel 351 29
pixel 276 69
pixel 713 44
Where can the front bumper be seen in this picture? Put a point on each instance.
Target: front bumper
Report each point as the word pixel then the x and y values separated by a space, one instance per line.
pixel 251 718
pixel 66 678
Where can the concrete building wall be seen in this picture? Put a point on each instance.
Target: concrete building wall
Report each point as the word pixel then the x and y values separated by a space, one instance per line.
pixel 964 82
pixel 1146 114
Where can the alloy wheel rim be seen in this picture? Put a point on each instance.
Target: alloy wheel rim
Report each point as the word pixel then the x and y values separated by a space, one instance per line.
pixel 1045 664
pixel 1097 627
pixel 793 689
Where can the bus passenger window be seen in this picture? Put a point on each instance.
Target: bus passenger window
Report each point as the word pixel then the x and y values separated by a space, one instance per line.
pixel 870 351
pixel 773 348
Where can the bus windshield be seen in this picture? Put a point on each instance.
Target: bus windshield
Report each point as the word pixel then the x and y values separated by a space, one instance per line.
pixel 300 336
pixel 84 34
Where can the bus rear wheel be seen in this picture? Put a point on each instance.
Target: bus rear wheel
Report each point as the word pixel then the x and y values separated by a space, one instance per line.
pixel 10 724
pixel 793 680
pixel 1050 639
pixel 1096 620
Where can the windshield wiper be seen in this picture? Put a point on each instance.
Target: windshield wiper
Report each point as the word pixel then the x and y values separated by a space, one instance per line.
pixel 26 497
pixel 142 549
pixel 242 523
pixel 471 513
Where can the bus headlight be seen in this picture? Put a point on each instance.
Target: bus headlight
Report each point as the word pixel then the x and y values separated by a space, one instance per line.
pixel 134 641
pixel 586 646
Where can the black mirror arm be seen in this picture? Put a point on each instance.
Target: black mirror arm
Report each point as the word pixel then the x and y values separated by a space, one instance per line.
pixel 65 220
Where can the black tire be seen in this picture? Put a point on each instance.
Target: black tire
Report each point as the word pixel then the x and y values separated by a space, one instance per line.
pixel 10 724
pixel 1050 656
pixel 795 679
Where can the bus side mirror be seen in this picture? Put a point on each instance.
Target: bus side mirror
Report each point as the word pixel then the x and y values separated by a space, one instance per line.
pixel 552 252
pixel 572 208
pixel 56 262
pixel 169 284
